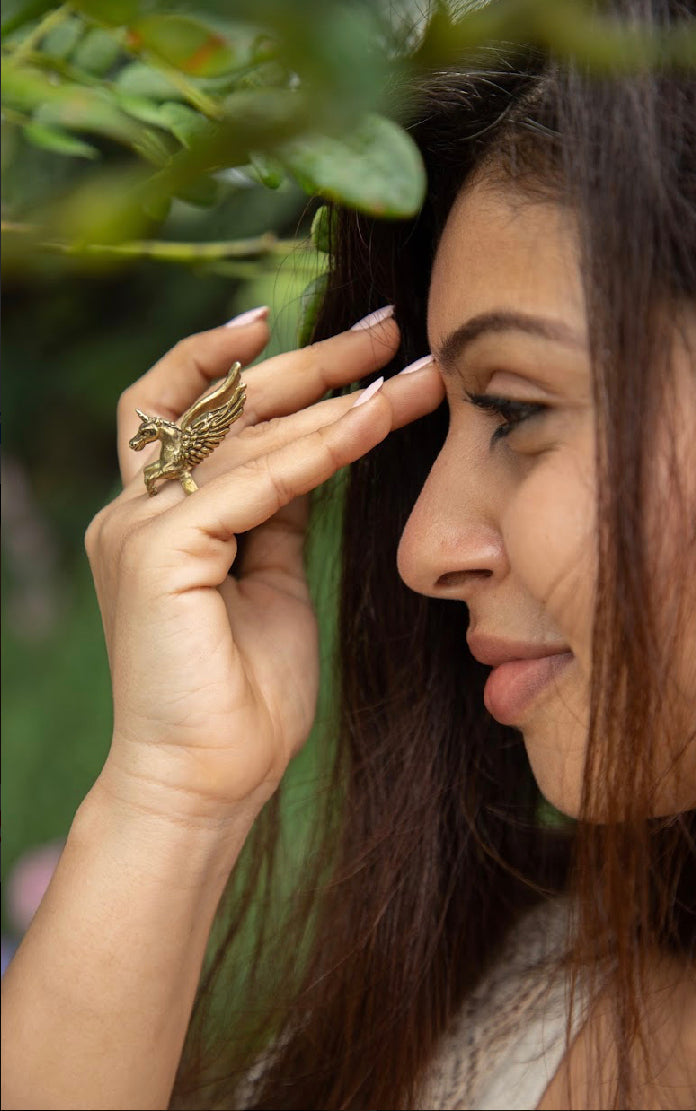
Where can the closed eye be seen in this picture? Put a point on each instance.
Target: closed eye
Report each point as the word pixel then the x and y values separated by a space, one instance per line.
pixel 512 412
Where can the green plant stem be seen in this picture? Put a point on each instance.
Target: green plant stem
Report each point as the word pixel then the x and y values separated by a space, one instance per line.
pixel 50 20
pixel 255 247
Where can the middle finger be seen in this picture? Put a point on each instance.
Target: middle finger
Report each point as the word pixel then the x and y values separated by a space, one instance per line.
pixel 285 383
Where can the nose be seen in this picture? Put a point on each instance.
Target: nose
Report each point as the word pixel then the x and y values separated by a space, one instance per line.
pixel 452 546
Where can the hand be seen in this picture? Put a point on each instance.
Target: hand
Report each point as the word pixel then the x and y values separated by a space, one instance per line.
pixel 215 675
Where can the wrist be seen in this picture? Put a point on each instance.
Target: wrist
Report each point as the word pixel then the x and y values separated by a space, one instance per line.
pixel 160 831
pixel 215 786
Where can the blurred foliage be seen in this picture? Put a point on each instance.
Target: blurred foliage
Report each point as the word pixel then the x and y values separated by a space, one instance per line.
pixel 168 103
pixel 163 165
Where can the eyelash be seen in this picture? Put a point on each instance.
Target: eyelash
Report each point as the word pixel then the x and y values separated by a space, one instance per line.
pixel 512 412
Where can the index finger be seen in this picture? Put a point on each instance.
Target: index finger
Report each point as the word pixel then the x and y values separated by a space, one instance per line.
pixel 183 374
pixel 286 383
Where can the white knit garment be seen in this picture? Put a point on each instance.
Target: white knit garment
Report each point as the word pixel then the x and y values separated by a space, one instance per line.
pixel 510 1035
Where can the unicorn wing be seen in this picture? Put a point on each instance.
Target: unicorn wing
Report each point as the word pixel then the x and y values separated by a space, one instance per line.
pixel 207 430
pixel 219 395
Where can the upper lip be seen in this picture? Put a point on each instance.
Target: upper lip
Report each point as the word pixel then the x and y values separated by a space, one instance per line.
pixel 490 650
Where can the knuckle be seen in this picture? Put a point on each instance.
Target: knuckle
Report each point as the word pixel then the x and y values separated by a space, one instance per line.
pixel 125 406
pixel 111 534
pixel 134 544
pixel 186 349
pixel 268 469
pixel 93 534
pixel 256 466
pixel 327 443
pixel 124 401
pixel 264 429
pixel 282 490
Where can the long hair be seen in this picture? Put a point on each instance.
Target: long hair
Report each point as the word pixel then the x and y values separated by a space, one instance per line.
pixel 428 841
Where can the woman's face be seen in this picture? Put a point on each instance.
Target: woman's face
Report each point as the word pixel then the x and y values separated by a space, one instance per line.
pixel 506 522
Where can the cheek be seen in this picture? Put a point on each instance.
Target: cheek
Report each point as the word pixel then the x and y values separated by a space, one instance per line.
pixel 549 533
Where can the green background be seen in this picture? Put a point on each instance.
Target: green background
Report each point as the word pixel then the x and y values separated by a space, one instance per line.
pixel 71 344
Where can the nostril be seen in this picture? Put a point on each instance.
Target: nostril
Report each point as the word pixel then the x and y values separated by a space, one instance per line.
pixel 459 578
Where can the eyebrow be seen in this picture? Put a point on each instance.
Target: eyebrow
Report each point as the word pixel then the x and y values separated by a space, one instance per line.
pixel 455 344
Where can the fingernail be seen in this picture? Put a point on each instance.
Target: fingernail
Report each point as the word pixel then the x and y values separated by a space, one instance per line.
pixel 373 318
pixel 249 317
pixel 369 392
pixel 418 365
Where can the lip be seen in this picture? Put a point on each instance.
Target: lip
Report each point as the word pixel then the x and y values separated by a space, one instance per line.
pixel 520 672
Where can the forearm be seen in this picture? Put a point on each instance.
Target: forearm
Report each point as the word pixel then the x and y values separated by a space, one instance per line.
pixel 98 997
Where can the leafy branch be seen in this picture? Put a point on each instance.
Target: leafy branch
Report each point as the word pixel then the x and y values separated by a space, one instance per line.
pixel 162 102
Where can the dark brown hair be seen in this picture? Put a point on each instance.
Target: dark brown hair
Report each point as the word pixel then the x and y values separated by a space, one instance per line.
pixel 428 839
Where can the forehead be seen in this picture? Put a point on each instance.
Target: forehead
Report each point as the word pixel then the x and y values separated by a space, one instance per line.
pixel 502 252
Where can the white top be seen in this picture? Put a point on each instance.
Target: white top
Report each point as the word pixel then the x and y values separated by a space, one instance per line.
pixel 510 1036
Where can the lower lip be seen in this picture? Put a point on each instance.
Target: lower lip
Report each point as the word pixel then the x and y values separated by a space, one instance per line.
pixel 512 686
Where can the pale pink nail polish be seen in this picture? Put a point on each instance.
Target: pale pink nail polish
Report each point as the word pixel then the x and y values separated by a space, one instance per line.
pixel 419 364
pixel 369 392
pixel 373 318
pixel 249 317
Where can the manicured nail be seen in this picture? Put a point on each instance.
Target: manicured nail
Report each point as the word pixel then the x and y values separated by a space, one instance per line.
pixel 369 392
pixel 373 318
pixel 418 365
pixel 249 317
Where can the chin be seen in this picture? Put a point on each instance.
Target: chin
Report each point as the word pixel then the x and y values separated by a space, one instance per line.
pixel 558 776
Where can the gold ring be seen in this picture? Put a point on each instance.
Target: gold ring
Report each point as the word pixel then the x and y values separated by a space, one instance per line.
pixel 199 431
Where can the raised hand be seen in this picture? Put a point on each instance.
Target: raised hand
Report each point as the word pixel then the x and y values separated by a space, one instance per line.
pixel 214 674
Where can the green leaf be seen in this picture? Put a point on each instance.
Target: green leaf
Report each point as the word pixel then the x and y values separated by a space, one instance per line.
pixel 267 170
pixel 264 48
pixel 321 229
pixel 53 139
pixel 183 122
pixel 185 43
pixel 61 40
pixel 310 303
pixel 376 168
pixel 97 53
pixel 151 145
pixel 117 13
pixel 263 76
pixel 105 207
pixel 79 108
pixel 140 108
pixel 25 88
pixel 9 133
pixel 76 108
pixel 204 192
pixel 157 207
pixel 140 79
pixel 17 14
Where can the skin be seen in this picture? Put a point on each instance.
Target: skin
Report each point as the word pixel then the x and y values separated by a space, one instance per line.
pixel 508 528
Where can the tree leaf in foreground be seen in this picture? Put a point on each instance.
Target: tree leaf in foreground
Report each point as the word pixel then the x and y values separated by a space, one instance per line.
pixel 375 168
pixel 54 139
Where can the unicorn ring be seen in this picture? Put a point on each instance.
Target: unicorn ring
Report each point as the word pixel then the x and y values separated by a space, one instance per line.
pixel 198 433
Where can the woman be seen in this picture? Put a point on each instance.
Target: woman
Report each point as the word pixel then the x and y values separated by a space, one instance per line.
pixel 446 943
